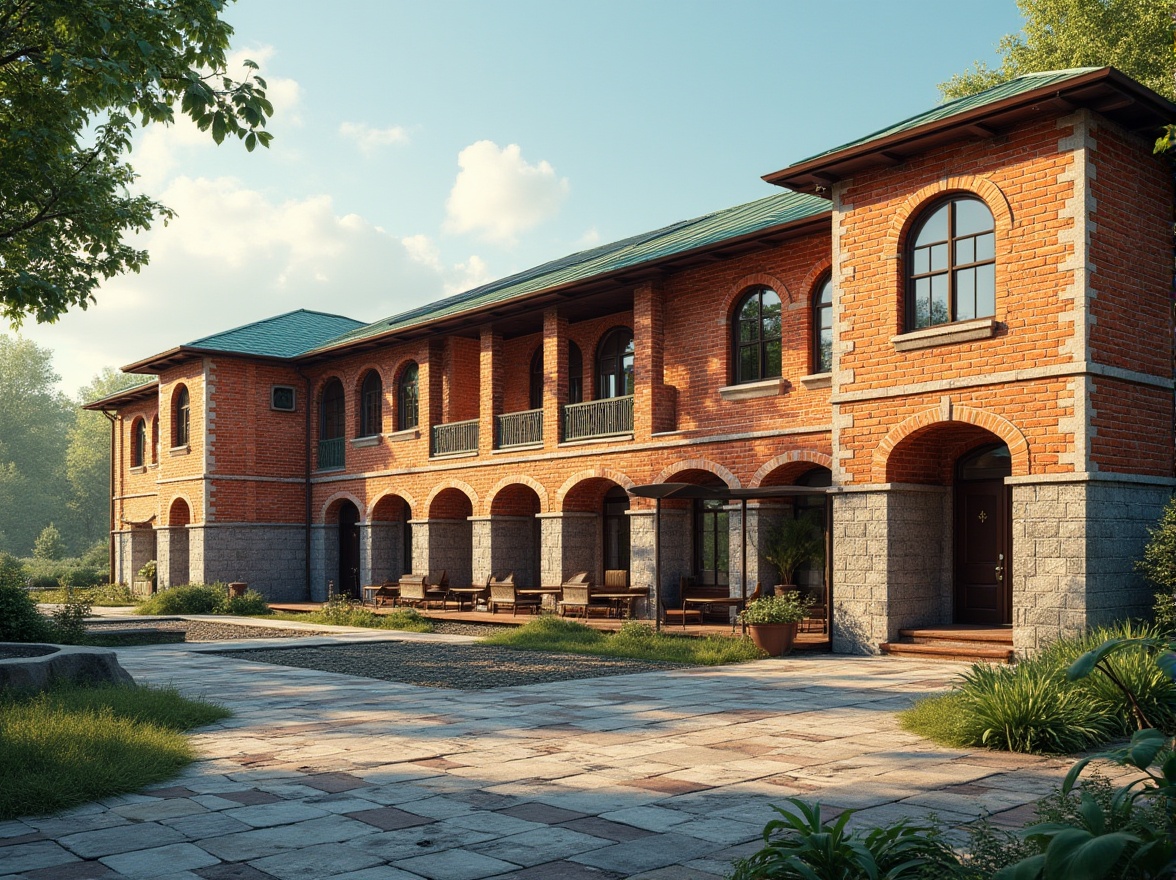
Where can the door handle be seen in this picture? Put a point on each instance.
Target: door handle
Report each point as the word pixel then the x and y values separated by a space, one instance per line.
pixel 1000 568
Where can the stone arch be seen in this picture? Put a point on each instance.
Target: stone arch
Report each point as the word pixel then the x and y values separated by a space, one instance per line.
pixel 524 480
pixel 989 192
pixel 699 464
pixel 946 414
pixel 793 456
pixel 369 514
pixel 598 473
pixel 334 502
pixel 465 488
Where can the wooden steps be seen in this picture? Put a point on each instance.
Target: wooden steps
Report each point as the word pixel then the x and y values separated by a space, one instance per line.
pixel 971 644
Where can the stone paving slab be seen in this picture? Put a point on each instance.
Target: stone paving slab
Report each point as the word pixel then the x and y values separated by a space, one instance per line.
pixel 657 775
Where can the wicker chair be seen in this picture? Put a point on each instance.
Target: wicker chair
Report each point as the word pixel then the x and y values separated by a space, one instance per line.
pixel 504 592
pixel 387 594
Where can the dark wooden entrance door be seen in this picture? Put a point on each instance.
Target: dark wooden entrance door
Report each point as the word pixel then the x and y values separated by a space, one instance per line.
pixel 349 550
pixel 982 583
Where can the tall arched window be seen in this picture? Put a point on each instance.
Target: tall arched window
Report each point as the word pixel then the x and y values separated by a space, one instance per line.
pixel 575 374
pixel 537 379
pixel 139 443
pixel 951 260
pixel 371 405
pixel 823 327
pixel 331 411
pixel 757 336
pixel 407 414
pixel 181 417
pixel 614 364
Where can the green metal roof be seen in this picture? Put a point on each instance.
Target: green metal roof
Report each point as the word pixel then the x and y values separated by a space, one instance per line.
pixel 283 336
pixel 677 238
pixel 1018 85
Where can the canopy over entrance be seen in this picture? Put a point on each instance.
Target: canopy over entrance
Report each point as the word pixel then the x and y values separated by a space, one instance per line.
pixel 689 491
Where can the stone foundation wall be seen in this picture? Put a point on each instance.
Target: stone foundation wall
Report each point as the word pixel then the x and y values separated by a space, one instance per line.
pixel 676 551
pixel 381 552
pixel 511 549
pixel 271 558
pixel 568 543
pixel 891 564
pixel 445 545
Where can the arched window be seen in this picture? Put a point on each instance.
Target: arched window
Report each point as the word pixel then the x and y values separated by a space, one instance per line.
pixel 575 374
pixel 823 327
pixel 371 403
pixel 139 443
pixel 757 336
pixel 614 364
pixel 537 379
pixel 407 414
pixel 181 417
pixel 155 439
pixel 331 410
pixel 951 260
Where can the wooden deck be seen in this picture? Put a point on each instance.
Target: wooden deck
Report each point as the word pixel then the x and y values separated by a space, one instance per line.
pixel 805 641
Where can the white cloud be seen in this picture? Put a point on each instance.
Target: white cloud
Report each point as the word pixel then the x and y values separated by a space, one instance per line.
pixel 498 195
pixel 371 139
pixel 232 256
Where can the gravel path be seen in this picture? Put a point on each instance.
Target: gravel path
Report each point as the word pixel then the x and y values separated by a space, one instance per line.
pixel 207 631
pixel 464 667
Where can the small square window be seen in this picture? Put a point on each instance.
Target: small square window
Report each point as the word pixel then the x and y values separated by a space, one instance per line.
pixel 282 398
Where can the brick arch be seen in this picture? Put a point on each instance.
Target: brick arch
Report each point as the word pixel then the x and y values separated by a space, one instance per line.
pixel 989 192
pixel 359 375
pixel 736 291
pixel 699 464
pixel 337 497
pixel 399 371
pixel 819 270
pixel 809 456
pixel 529 482
pixel 171 507
pixel 598 473
pixel 465 488
pixel 404 496
pixel 945 415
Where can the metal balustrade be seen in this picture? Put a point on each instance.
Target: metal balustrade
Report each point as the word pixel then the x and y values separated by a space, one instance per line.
pixel 520 428
pixel 598 418
pixel 455 437
pixel 331 454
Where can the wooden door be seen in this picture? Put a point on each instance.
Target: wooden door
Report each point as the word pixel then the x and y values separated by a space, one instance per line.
pixel 349 550
pixel 982 573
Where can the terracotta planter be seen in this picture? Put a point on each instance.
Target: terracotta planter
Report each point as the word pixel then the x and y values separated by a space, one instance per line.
pixel 774 638
pixel 781 589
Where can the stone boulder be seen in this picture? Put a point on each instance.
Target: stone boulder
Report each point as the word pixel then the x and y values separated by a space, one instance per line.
pixel 34 667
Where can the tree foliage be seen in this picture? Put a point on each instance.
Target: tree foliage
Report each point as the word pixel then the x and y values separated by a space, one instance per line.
pixel 49 544
pixel 1134 36
pixel 76 77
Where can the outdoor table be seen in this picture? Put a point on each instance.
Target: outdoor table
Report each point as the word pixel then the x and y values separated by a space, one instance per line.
pixel 543 593
pixel 369 594
pixel 620 601
pixel 466 594
pixel 703 603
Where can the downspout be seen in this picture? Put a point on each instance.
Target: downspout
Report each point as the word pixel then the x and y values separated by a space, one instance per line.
pixel 110 535
pixel 306 486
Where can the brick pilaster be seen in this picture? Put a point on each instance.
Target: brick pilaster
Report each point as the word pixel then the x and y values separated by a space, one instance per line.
pixel 493 383
pixel 555 375
pixel 431 390
pixel 652 401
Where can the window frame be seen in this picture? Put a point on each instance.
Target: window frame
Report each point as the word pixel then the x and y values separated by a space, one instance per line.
pixel 821 309
pixel 575 373
pixel 760 342
pixel 535 381
pixel 181 417
pixel 371 405
pixel 622 372
pixel 336 420
pixel 408 397
pixel 911 277
pixel 139 442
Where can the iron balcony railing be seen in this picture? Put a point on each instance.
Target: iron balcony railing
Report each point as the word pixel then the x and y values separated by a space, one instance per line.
pixel 520 428
pixel 455 437
pixel 331 454
pixel 598 418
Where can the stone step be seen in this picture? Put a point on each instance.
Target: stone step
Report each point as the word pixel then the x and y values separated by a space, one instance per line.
pixel 970 652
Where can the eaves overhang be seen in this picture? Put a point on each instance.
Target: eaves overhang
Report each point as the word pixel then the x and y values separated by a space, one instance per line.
pixel 1105 91
pixel 122 398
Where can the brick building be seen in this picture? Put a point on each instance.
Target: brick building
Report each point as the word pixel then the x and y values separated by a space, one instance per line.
pixel 957 331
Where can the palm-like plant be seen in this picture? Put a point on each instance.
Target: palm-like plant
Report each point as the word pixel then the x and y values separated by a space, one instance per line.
pixel 793 542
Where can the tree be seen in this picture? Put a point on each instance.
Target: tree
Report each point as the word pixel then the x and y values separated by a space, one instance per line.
pixel 49 544
pixel 87 462
pixel 1134 36
pixel 75 75
pixel 34 423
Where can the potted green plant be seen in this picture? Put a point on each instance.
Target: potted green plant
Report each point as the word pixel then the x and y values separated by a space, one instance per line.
pixel 772 620
pixel 790 544
pixel 144 583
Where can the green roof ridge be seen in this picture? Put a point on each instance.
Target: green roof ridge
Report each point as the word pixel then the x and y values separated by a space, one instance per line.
pixel 1026 82
pixel 286 335
pixel 679 237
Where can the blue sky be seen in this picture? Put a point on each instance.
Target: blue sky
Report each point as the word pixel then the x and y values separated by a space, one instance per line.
pixel 422 148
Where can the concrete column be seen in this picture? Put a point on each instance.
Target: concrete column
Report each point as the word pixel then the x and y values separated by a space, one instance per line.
pixel 324 560
pixel 555 375
pixel 481 540
pixel 493 382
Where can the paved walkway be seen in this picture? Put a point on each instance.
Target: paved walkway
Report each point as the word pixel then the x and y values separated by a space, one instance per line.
pixel 654 775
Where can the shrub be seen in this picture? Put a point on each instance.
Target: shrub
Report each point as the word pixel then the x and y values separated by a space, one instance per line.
pixel 69 622
pixel 49 544
pixel 20 621
pixel 49 574
pixel 188 599
pixel 252 602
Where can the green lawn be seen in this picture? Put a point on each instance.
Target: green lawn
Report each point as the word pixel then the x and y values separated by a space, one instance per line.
pixel 72 745
pixel 634 640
